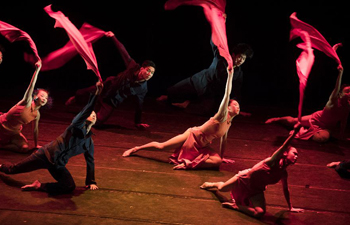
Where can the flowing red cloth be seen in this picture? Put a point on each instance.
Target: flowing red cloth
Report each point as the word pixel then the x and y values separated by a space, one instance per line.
pixel 304 64
pixel 317 40
pixel 61 56
pixel 214 11
pixel 83 48
pixel 13 34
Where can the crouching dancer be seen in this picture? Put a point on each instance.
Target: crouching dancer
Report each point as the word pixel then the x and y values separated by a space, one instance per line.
pixel 54 156
pixel 248 186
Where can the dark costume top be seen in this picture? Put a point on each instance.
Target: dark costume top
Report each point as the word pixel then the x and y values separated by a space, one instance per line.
pixel 74 141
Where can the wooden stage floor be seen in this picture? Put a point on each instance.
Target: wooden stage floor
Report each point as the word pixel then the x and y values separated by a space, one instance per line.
pixel 145 189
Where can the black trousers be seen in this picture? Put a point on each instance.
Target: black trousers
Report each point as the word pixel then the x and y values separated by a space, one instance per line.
pixel 38 160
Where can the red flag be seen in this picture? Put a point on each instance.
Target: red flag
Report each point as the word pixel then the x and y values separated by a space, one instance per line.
pixel 61 56
pixel 13 34
pixel 76 38
pixel 214 11
pixel 317 40
pixel 304 64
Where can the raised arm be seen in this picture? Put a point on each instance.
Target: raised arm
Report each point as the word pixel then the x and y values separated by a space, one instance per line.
pixel 27 98
pixel 333 98
pixel 79 120
pixel 125 55
pixel 221 115
pixel 279 152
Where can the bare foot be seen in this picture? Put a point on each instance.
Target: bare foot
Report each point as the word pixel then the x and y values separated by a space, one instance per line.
pixel 32 187
pixel 182 105
pixel 207 185
pixel 130 152
pixel 229 205
pixel 332 164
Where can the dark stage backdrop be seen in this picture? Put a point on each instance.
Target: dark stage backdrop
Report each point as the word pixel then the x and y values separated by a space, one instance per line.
pixel 178 42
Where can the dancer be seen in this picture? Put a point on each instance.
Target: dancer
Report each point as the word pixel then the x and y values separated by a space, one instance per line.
pixel 24 112
pixel 342 168
pixel 75 140
pixel 248 186
pixel 132 82
pixel 192 148
pixel 210 82
pixel 320 125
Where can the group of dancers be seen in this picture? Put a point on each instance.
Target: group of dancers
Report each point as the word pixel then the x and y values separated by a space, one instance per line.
pixel 192 149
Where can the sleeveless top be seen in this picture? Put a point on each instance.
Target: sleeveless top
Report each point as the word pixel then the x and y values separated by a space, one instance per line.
pixel 17 116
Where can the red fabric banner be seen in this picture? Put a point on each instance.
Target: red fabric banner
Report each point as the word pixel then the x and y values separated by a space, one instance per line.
pixel 82 47
pixel 61 56
pixel 13 34
pixel 214 11
pixel 317 40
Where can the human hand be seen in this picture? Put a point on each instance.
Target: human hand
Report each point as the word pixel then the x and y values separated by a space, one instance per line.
pixel 91 187
pixel 141 126
pixel 180 166
pixel 38 64
pixel 37 146
pixel 296 210
pixel 99 87
pixel 109 34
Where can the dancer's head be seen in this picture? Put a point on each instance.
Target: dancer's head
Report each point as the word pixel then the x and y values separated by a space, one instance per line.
pixel 92 118
pixel 41 97
pixel 233 108
pixel 146 71
pixel 290 155
pixel 240 53
pixel 321 136
pixel 344 93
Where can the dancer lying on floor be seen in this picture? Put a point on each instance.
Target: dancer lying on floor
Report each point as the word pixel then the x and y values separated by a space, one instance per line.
pixel 75 140
pixel 192 148
pixel 248 186
pixel 320 125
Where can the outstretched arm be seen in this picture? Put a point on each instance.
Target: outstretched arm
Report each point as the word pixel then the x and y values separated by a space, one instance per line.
pixel 27 98
pixel 334 96
pixel 279 152
pixel 287 195
pixel 221 115
pixel 125 55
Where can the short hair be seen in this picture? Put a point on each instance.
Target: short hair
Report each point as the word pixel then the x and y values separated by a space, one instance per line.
pixel 243 48
pixel 147 63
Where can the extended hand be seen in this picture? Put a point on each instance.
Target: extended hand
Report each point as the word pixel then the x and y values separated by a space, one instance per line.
pixel 32 187
pixel 109 34
pixel 92 187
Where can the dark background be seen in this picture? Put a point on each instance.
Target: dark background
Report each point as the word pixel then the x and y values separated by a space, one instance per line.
pixel 178 42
